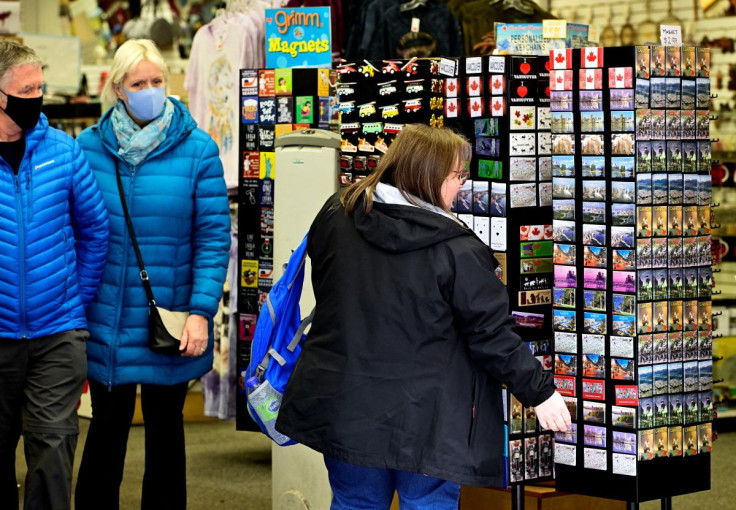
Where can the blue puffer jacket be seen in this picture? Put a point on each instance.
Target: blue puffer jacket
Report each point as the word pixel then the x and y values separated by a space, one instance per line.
pixel 53 237
pixel 178 204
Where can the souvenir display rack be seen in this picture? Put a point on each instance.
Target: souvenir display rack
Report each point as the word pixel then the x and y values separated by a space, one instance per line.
pixel 501 104
pixel 273 101
pixel 633 281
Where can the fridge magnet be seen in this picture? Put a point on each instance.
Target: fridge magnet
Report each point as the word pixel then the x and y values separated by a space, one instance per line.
pixel 624 417
pixel 623 325
pixel 592 122
pixel 675 188
pixel 562 58
pixel 705 309
pixel 591 57
pixel 474 106
pixel 624 442
pixel 544 143
pixel 705 433
pixel 690 217
pixel 561 100
pixel 641 93
pixel 675 441
pixel 529 320
pixel 674 250
pixel 560 79
pixel 562 122
pixel 474 85
pixel 593 166
pixel 595 256
pixel 622 121
pixel 530 420
pixel 660 442
pixel 536 265
pixel 594 300
pixel 705 282
pixel 661 412
pixel 564 166
pixel 659 252
pixel 523 67
pixel 622 144
pixel 590 101
pixel 565 386
pixel 566 454
pixel 658 93
pixel 563 144
pixel 688 62
pixel 590 145
pixel 658 61
pixel 497 84
pixel 497 205
pixel 674 379
pixel 643 221
pixel 659 378
pixel 659 196
pixel 688 94
pixel 688 129
pixel 673 93
pixel 702 124
pixel 594 435
pixel 522 117
pixel 521 91
pixel 623 99
pixel 590 79
pixel 563 209
pixel 545 455
pixel 690 284
pixel 522 144
pixel 563 320
pixel 659 284
pixel 690 440
pixel 674 127
pixel 544 118
pixel 566 342
pixel 594 389
pixel 563 187
pixel 563 297
pixel 500 270
pixel 675 326
pixel 452 87
pixel 659 155
pixel 480 198
pixel 622 464
pixel 705 189
pixel 623 346
pixel 486 146
pixel 691 381
pixel 620 78
pixel 625 260
pixel 703 220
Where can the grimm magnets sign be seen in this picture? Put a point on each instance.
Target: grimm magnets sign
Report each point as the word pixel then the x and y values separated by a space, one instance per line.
pixel 298 37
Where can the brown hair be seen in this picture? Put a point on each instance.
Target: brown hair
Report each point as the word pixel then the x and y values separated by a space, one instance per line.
pixel 417 164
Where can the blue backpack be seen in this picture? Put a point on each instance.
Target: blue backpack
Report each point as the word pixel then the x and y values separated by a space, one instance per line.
pixel 277 343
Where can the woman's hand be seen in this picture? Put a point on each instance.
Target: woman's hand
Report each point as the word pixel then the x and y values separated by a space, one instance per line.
pixel 195 336
pixel 553 414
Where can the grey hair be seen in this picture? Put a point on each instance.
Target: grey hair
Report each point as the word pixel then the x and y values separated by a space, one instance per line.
pixel 13 54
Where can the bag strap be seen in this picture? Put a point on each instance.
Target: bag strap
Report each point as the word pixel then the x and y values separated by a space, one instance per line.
pixel 143 273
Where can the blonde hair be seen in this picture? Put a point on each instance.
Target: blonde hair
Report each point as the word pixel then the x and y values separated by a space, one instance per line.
pixel 13 54
pixel 417 164
pixel 128 55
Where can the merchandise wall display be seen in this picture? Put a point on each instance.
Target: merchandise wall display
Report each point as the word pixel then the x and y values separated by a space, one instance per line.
pixel 273 101
pixel 501 104
pixel 632 288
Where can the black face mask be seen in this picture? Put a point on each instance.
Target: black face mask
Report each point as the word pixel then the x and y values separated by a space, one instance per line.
pixel 24 111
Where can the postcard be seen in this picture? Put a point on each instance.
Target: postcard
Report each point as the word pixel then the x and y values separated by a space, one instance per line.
pixel 594 412
pixel 594 344
pixel 594 212
pixel 622 464
pixel 594 389
pixel 563 209
pixel 624 281
pixel 621 346
pixel 624 442
pixel 565 385
pixel 594 435
pixel 564 231
pixel 566 454
pixel 563 320
pixel 566 342
pixel 563 187
pixel 593 166
pixel 566 364
pixel 565 276
pixel 625 260
pixel 622 167
pixel 624 416
pixel 564 254
pixel 594 300
pixel 622 369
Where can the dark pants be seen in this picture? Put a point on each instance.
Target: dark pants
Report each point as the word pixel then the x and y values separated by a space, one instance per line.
pixel 103 460
pixel 41 381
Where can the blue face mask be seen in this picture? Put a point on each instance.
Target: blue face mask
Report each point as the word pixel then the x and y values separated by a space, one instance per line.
pixel 146 104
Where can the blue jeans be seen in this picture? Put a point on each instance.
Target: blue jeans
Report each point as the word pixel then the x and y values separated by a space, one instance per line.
pixel 362 488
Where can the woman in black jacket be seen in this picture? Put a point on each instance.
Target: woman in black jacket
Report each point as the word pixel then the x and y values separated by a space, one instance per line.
pixel 399 382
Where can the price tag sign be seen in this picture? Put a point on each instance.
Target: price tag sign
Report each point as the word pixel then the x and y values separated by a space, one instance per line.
pixel 670 35
pixel 554 29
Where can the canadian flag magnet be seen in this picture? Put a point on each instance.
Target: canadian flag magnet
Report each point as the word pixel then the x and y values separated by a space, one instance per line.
pixel 561 58
pixel 591 79
pixel 591 57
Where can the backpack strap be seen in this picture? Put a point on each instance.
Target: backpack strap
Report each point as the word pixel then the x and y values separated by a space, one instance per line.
pixel 299 332
pixel 272 353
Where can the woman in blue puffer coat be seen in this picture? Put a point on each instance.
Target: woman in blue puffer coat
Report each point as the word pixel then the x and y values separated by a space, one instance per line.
pixel 175 191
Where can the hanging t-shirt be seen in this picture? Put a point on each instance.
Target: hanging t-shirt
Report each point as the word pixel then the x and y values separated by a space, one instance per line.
pixel 220 49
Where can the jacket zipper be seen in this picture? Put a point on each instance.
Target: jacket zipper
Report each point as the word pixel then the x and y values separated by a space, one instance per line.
pixel 472 412
pixel 22 258
pixel 126 239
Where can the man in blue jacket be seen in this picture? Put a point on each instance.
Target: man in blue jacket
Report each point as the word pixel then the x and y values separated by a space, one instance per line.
pixel 53 247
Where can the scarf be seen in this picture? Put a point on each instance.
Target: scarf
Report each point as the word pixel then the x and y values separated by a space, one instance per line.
pixel 137 143
pixel 387 194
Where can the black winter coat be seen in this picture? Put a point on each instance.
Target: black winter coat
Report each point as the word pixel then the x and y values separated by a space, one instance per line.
pixel 410 343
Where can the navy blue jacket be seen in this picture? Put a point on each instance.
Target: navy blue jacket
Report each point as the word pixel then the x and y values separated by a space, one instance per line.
pixel 53 237
pixel 177 200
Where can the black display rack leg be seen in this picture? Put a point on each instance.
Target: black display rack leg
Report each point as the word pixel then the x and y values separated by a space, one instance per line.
pixel 632 506
pixel 517 497
pixel 667 503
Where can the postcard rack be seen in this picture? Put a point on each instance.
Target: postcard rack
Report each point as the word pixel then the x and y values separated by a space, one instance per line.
pixel 632 278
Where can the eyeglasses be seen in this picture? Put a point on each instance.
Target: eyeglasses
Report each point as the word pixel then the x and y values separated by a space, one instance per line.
pixel 463 175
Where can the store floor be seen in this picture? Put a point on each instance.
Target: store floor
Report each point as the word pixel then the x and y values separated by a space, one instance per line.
pixel 232 470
